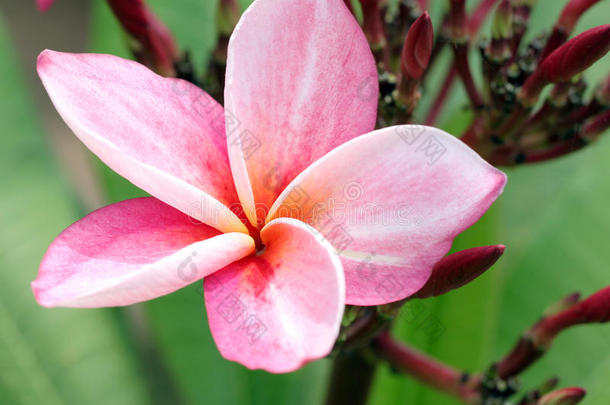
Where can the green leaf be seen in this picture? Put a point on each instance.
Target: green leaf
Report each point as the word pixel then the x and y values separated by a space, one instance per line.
pixel 49 356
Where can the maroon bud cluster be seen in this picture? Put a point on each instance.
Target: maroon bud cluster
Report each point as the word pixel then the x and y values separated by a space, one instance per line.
pixel 505 129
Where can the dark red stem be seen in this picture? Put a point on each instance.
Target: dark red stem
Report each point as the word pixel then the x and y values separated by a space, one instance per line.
pixel 463 69
pixel 440 99
pixel 425 369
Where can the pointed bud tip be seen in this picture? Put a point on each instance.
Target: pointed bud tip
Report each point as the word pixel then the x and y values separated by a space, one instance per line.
pixel 562 304
pixel 597 306
pixel 418 47
pixel 459 269
pixel 577 54
pixel 564 396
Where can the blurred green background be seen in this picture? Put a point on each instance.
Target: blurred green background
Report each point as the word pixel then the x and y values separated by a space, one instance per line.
pixel 554 219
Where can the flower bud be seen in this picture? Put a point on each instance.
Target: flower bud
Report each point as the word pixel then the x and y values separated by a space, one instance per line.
pixel 156 47
pixel 564 396
pixel 564 26
pixel 417 48
pixel 533 344
pixel 459 269
pixel 577 54
pixel 595 308
pixel 562 304
pixel 571 13
pixel 499 49
pixel 571 58
pixel 532 396
pixel 503 19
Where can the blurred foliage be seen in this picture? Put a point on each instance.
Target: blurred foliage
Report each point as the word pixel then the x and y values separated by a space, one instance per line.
pixel 47 356
pixel 553 219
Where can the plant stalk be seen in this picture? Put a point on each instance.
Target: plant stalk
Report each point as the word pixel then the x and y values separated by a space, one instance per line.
pixel 351 378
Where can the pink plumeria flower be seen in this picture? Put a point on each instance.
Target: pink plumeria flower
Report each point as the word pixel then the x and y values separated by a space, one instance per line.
pixel 335 213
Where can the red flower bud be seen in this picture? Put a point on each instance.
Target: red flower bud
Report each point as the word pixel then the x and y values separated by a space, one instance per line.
pixel 562 305
pixel 595 308
pixel 539 337
pixel 564 396
pixel 566 61
pixel 503 20
pixel 417 48
pixel 567 20
pixel 571 13
pixel 459 269
pixel 577 54
pixel 158 50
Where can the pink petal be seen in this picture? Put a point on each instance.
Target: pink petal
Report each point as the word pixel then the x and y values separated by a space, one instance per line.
pixel 280 309
pixel 391 203
pixel 164 135
pixel 132 251
pixel 301 80
pixel 44 5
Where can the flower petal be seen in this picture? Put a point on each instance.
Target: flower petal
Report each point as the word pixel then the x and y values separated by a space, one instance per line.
pixel 280 309
pixel 132 251
pixel 164 135
pixel 301 80
pixel 391 202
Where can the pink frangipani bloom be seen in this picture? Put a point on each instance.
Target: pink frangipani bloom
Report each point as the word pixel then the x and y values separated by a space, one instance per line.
pixel 286 201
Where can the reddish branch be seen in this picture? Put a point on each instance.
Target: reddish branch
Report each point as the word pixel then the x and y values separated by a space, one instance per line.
pixel 425 369
pixel 539 337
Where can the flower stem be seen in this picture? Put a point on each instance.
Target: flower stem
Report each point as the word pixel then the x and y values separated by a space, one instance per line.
pixel 440 99
pixel 425 369
pixel 351 378
pixel 463 68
